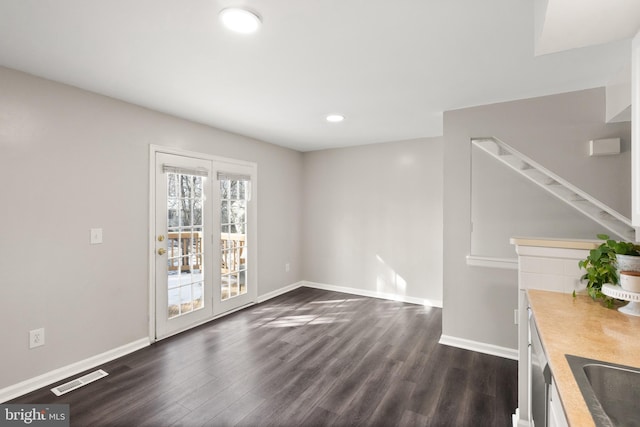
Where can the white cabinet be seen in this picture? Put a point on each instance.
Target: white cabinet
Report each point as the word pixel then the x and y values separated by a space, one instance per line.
pixel 557 418
pixel 545 264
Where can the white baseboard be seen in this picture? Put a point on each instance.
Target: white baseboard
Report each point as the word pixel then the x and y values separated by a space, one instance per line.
pixel 494 350
pixel 517 421
pixel 374 294
pixel 59 374
pixel 278 292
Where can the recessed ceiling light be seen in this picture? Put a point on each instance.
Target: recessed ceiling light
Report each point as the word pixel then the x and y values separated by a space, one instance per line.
pixel 240 20
pixel 335 118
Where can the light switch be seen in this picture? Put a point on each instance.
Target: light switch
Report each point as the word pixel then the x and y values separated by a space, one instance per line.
pixel 96 236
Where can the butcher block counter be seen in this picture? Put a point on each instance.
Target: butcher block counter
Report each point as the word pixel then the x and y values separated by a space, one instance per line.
pixel 582 327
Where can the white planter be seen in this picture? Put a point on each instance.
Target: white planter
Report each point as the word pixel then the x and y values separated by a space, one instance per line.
pixel 630 281
pixel 628 263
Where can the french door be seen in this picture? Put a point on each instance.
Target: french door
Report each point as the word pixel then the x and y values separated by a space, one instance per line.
pixel 204 240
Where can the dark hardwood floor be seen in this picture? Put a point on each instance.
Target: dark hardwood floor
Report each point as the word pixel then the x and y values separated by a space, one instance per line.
pixel 306 358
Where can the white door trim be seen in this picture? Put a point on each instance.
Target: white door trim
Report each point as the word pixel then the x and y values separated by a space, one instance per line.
pixel 153 149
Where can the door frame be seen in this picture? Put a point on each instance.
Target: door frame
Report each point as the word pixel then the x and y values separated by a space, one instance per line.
pixel 252 245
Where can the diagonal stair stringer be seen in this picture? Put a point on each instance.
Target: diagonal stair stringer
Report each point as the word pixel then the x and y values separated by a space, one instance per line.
pixel 611 220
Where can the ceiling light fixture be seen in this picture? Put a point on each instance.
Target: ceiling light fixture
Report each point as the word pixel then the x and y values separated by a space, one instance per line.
pixel 240 20
pixel 335 118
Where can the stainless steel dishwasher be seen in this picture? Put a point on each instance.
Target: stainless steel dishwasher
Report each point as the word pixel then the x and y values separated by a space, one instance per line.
pixel 540 375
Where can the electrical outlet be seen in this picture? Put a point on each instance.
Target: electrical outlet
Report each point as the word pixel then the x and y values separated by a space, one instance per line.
pixel 36 338
pixel 287 267
pixel 515 316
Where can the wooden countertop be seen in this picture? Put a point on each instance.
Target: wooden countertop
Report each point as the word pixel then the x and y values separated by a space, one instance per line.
pixel 582 327
pixel 550 242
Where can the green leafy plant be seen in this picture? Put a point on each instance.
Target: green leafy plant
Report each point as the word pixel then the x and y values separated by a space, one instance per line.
pixel 601 266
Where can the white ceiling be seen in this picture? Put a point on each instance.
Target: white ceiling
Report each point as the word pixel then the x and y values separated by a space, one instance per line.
pixel 568 24
pixel 390 66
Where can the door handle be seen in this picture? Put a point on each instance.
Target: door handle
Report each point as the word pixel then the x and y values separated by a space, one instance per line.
pixel 162 251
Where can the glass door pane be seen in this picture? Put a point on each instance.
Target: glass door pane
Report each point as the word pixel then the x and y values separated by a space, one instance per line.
pixel 183 278
pixel 185 201
pixel 233 237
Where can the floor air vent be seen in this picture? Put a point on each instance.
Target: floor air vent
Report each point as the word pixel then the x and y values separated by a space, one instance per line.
pixel 79 382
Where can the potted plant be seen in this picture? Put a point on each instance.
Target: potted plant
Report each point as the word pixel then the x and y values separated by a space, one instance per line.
pixel 602 266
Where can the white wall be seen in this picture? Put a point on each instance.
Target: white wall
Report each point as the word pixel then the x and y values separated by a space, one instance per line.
pixel 373 218
pixel 71 160
pixel 553 131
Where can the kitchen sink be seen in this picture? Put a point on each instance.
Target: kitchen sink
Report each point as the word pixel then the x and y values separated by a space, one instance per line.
pixel 611 391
